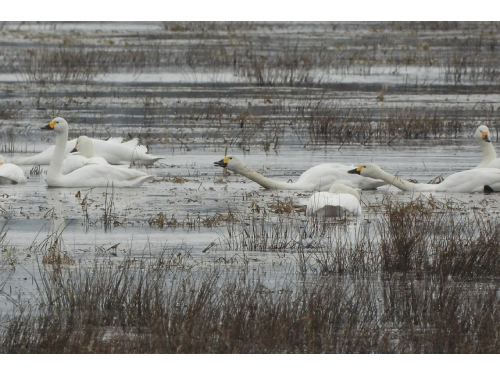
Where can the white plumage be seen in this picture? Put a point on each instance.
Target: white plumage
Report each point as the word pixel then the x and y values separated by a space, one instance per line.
pixel 91 175
pixel 339 201
pixel 10 174
pixel 469 181
pixel 81 156
pixel 317 178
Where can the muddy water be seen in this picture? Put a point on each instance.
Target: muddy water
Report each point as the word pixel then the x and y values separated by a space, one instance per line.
pixel 192 115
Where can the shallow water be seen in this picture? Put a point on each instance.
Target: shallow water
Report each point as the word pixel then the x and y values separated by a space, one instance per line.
pixel 192 116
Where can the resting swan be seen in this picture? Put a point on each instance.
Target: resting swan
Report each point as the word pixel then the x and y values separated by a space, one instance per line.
pixel 81 155
pixel 337 202
pixel 90 176
pixel 317 178
pixel 10 174
pixel 490 159
pixel 469 181
pixel 482 136
pixel 112 150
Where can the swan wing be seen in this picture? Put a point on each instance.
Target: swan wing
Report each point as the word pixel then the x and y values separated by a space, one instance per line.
pixel 471 180
pixel 120 153
pixel 75 161
pixel 101 175
pixel 328 204
pixel 322 176
pixel 11 174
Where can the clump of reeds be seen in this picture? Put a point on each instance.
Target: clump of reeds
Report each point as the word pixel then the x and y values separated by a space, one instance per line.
pixel 149 306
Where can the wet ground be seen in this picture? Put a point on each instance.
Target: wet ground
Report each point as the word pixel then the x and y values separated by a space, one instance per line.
pixel 192 113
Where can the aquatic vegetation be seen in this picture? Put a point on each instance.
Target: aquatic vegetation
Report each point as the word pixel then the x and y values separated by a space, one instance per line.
pixel 199 262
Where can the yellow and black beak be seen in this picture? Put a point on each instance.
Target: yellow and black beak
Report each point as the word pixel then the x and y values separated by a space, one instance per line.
pixel 485 137
pixel 221 163
pixel 74 150
pixel 50 126
pixel 356 170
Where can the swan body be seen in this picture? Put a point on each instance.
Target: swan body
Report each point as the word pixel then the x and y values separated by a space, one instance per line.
pixel 317 178
pixel 10 174
pixel 337 202
pixel 489 155
pixel 469 181
pixel 112 150
pixel 85 156
pixel 125 153
pixel 95 175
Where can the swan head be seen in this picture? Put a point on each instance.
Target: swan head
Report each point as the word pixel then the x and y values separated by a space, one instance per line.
pixel 367 170
pixel 338 188
pixel 84 146
pixel 59 125
pixel 230 162
pixel 482 134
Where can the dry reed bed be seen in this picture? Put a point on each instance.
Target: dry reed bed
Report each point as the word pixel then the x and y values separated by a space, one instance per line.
pixel 464 51
pixel 425 281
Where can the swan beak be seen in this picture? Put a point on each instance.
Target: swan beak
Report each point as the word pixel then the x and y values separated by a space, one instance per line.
pixel 356 170
pixel 485 137
pixel 221 163
pixel 74 150
pixel 50 126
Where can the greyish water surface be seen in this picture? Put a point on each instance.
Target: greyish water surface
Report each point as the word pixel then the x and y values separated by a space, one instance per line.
pixel 191 95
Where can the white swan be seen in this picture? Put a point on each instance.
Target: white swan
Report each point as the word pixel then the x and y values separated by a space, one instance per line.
pixel 10 174
pixel 112 150
pixel 81 155
pixel 337 202
pixel 490 159
pixel 482 136
pixel 90 176
pixel 125 153
pixel 317 178
pixel 468 181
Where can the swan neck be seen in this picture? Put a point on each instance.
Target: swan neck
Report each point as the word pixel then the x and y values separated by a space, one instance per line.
pixel 263 181
pixel 396 181
pixel 56 163
pixel 489 153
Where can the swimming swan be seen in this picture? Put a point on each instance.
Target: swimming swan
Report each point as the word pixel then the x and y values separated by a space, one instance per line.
pixel 112 150
pixel 92 175
pixel 468 181
pixel 317 178
pixel 10 174
pixel 337 202
pixel 81 155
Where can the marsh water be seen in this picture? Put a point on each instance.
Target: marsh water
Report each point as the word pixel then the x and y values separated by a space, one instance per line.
pixel 283 97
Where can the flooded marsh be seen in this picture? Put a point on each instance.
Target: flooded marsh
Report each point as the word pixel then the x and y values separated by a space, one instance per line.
pixel 200 260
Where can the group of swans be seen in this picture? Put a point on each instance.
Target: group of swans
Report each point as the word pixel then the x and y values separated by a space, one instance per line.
pixel 469 181
pixel 317 178
pixel 90 168
pixel 335 184
pixel 91 175
pixel 340 197
pixel 114 151
pixel 485 177
pixel 83 162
